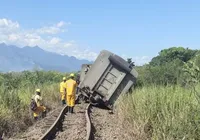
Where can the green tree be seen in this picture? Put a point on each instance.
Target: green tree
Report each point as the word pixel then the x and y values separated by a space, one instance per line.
pixel 166 68
pixel 168 55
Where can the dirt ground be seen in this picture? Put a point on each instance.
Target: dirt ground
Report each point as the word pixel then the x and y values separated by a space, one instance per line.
pixel 74 126
pixel 106 125
pixel 38 129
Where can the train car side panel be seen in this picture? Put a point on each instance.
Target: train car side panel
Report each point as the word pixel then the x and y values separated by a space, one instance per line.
pixel 96 71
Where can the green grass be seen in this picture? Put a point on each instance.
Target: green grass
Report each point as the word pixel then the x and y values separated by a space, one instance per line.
pixel 15 114
pixel 16 90
pixel 158 112
pixel 151 112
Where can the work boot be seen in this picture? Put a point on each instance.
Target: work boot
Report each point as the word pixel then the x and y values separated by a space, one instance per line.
pixel 44 114
pixel 72 110
pixel 68 109
pixel 63 102
pixel 35 118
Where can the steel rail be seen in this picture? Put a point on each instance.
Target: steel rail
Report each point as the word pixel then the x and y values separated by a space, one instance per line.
pixel 54 126
pixel 88 124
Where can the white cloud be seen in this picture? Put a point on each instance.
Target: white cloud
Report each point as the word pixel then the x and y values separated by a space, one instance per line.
pixel 8 26
pixel 55 41
pixel 54 29
pixel 60 24
pixel 67 45
pixel 85 53
pixel 139 60
pixel 49 30
pixel 13 37
pixel 44 37
pixel 5 23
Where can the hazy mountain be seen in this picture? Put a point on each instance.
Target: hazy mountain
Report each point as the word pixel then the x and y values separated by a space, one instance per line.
pixel 13 58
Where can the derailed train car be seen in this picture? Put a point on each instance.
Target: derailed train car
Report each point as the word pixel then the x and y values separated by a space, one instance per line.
pixel 84 70
pixel 108 77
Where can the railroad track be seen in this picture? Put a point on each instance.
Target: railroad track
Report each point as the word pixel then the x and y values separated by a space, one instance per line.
pixel 87 123
pixel 64 123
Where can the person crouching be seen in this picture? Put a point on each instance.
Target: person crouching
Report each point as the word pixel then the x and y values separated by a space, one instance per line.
pixel 40 108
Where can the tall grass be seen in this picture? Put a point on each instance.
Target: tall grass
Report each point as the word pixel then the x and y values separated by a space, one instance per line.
pixel 158 112
pixel 151 112
pixel 15 114
pixel 16 90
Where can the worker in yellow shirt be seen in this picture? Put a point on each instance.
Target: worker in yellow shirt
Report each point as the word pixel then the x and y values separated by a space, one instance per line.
pixel 37 106
pixel 63 90
pixel 71 90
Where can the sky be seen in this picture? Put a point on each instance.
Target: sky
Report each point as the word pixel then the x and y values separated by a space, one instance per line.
pixel 82 28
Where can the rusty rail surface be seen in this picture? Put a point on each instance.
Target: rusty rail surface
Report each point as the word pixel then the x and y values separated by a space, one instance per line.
pixel 54 127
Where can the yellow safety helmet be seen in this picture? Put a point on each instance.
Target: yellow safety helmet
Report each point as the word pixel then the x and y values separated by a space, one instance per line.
pixel 71 75
pixel 38 90
pixel 64 78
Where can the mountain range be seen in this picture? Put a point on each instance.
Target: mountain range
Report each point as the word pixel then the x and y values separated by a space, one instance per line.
pixel 13 58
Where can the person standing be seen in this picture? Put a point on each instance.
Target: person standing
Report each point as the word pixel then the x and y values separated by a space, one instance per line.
pixel 71 91
pixel 63 90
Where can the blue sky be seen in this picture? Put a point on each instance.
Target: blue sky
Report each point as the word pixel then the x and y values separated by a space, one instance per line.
pixel 137 29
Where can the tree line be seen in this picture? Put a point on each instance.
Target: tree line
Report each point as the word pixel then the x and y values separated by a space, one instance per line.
pixel 175 65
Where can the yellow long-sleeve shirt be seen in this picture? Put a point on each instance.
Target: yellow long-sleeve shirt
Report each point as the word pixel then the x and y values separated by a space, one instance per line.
pixel 71 86
pixel 38 100
pixel 62 86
